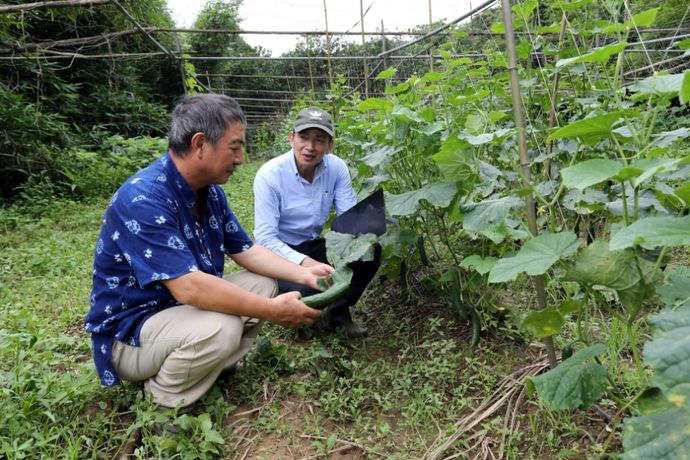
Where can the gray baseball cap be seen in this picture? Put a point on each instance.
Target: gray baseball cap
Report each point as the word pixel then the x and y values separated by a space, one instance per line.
pixel 314 117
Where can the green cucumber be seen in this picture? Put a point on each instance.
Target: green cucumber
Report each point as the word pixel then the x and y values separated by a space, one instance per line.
pixel 476 327
pixel 339 283
pixel 322 299
pixel 567 352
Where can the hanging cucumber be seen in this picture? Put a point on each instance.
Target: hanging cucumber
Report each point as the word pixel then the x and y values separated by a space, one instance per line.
pixel 422 251
pixel 339 283
pixel 476 327
pixel 567 352
pixel 455 295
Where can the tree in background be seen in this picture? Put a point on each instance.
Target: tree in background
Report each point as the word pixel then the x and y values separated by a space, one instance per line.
pixel 51 105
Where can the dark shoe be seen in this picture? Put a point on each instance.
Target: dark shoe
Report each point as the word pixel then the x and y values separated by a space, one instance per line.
pixel 340 319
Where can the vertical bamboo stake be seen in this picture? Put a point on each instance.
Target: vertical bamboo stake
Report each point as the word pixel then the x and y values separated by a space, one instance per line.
pixel 366 65
pixel 328 46
pixel 431 48
pixel 383 46
pixel 539 283
pixel 311 76
pixel 181 62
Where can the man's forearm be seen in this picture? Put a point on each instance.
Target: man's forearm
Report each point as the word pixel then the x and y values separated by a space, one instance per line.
pixel 263 261
pixel 209 292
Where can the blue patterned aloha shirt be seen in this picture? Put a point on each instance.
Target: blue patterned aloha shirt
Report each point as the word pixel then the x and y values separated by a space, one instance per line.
pixel 149 234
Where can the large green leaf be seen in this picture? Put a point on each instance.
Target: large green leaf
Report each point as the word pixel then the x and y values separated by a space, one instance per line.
pixel 643 19
pixel 571 6
pixel 478 263
pixel 684 93
pixel 381 156
pixel 660 435
pixel 590 129
pixel 676 291
pixel 406 204
pixel 653 232
pixel 669 85
pixel 597 265
pixel 374 103
pixel 407 115
pixel 654 166
pixel 575 383
pixel 388 73
pixel 455 159
pixel 495 136
pixel 343 248
pixel 669 137
pixel 488 217
pixel 535 257
pixel 601 55
pixel 683 192
pixel 669 352
pixel 662 428
pixel 590 172
pixel 543 323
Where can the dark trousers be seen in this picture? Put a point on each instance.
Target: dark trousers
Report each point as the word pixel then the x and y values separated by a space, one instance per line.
pixel 362 272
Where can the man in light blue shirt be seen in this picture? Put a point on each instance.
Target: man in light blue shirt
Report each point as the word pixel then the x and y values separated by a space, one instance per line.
pixel 293 197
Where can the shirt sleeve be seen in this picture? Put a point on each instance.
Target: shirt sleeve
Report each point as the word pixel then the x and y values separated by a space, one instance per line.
pixel 266 218
pixel 148 235
pixel 344 194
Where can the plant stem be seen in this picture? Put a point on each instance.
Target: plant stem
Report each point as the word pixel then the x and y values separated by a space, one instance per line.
pixel 625 204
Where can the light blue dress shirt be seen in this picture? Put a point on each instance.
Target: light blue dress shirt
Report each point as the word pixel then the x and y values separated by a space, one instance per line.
pixel 289 209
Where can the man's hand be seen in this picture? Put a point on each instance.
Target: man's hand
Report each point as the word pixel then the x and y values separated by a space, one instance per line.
pixel 314 271
pixel 289 311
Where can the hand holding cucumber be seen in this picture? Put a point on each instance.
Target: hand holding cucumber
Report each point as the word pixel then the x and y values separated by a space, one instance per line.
pixel 333 286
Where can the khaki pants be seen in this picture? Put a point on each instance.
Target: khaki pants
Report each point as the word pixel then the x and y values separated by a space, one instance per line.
pixel 183 349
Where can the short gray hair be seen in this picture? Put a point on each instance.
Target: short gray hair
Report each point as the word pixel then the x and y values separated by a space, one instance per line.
pixel 202 113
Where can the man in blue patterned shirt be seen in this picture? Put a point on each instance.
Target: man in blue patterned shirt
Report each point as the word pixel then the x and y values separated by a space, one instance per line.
pixel 161 310
pixel 293 197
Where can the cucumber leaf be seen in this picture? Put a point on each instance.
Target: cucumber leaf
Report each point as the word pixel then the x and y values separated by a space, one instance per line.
pixel 575 383
pixel 653 232
pixel 535 257
pixel 591 129
pixel 590 172
pixel 406 204
pixel 343 248
pixel 488 217
pixel 600 55
pixel 479 264
pixel 543 323
pixel 669 352
pixel 660 435
pixel 661 429
pixel 676 292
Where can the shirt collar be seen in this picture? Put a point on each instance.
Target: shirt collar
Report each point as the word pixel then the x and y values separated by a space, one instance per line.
pixel 293 165
pixel 188 195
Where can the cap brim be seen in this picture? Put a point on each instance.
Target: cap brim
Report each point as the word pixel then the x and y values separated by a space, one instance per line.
pixel 301 128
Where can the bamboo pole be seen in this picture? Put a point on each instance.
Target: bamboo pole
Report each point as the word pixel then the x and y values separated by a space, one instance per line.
pixel 328 45
pixel 366 65
pixel 311 74
pixel 383 47
pixel 539 282
pixel 431 48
